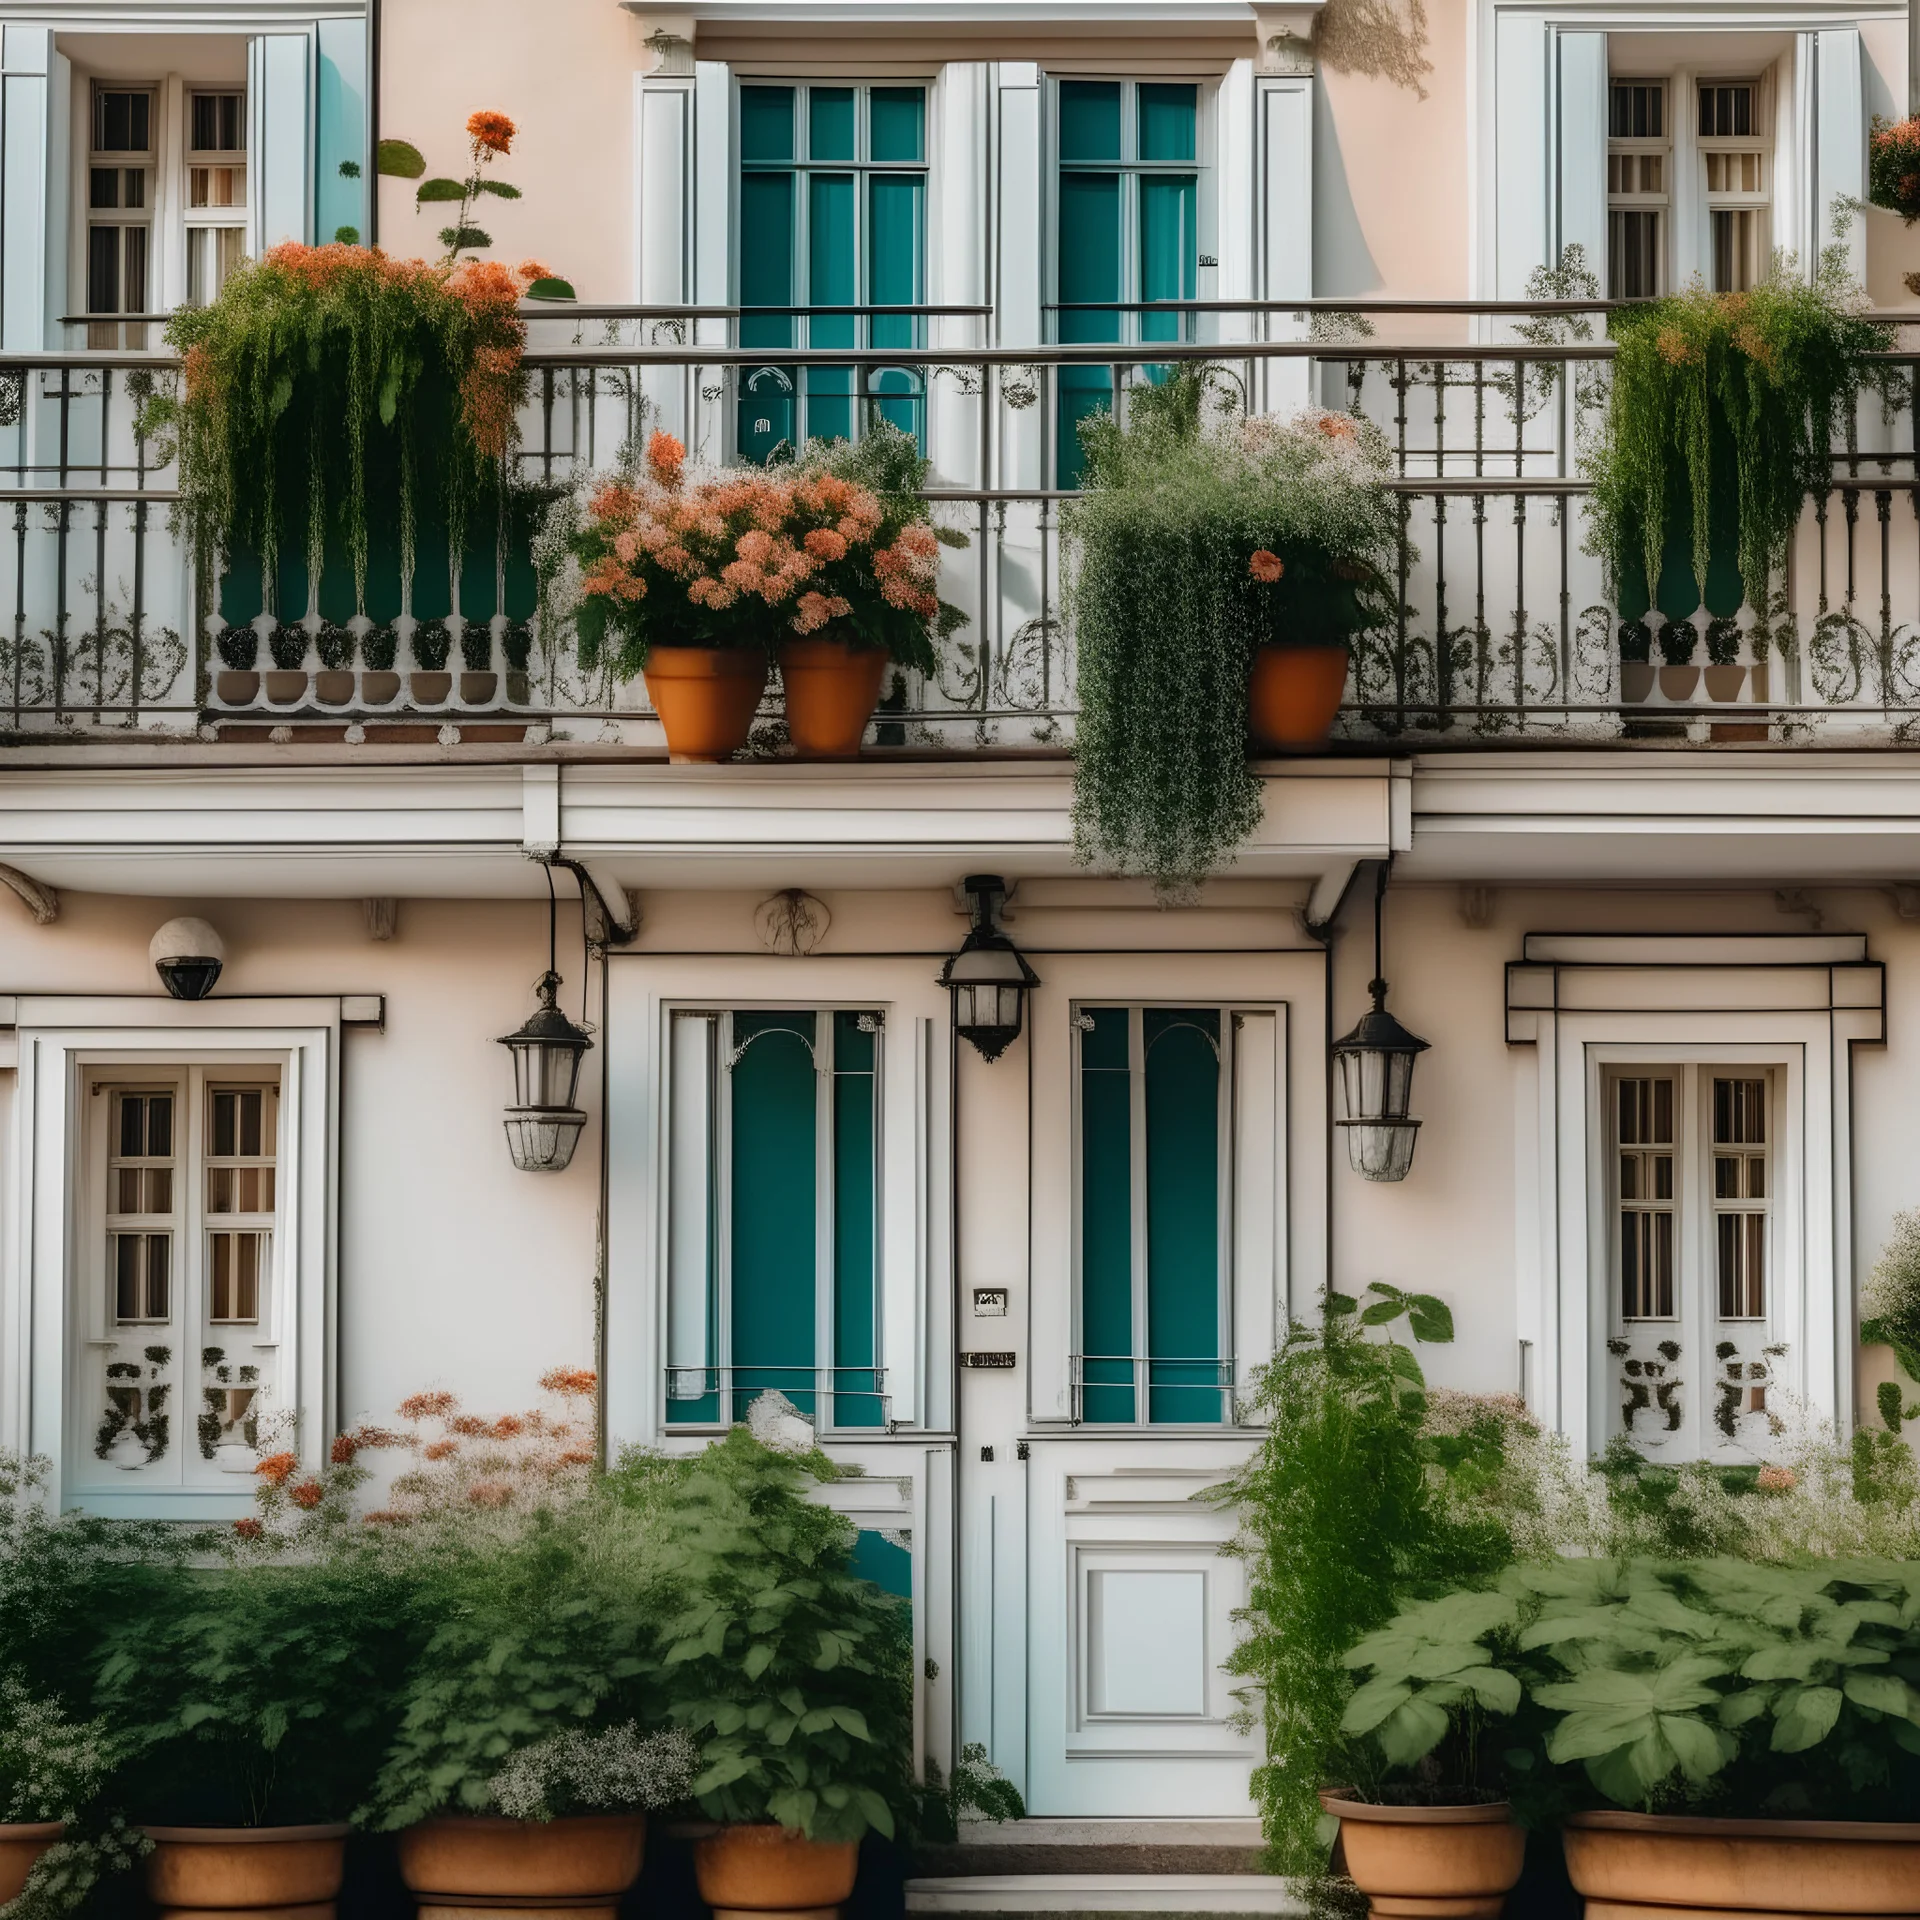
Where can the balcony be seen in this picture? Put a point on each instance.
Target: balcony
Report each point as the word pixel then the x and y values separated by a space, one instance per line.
pixel 1504 633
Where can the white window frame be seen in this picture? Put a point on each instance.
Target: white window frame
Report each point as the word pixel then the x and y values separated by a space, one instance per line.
pixel 151 163
pixel 1757 202
pixel 47 1255
pixel 233 218
pixel 1795 1004
pixel 1636 150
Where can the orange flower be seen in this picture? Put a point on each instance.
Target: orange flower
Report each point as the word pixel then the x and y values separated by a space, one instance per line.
pixel 308 1495
pixel 1771 1479
pixel 468 1423
pixel 441 1450
pixel 1266 567
pixel 576 1457
pixel 343 1449
pixel 570 1382
pixel 824 544
pixel 1336 426
pixel 665 455
pixel 248 1529
pixel 489 1493
pixel 508 1427
pixel 531 270
pixel 493 131
pixel 276 1468
pixel 427 1406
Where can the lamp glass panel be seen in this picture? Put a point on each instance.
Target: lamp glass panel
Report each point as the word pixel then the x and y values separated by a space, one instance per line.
pixel 544 1075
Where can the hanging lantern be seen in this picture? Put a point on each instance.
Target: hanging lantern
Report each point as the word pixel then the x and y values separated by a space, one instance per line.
pixel 543 1124
pixel 989 977
pixel 1376 1079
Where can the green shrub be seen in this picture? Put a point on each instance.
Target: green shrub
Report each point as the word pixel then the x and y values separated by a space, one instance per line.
pixel 1890 1307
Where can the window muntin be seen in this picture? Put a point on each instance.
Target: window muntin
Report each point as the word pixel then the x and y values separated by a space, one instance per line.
pixel 833 196
pixel 184 1202
pixel 1639 189
pixel 1736 163
pixel 1153 1201
pixel 1693 1277
pixel 216 198
pixel 120 194
pixel 774 1129
pixel 1127 228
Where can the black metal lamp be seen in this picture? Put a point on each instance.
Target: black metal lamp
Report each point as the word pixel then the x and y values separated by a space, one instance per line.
pixel 543 1125
pixel 989 976
pixel 1376 1078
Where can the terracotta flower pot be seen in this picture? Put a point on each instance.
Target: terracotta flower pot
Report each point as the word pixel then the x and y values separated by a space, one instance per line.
pixel 429 689
pixel 1429 1863
pixel 706 698
pixel 291 1872
pixel 1665 1867
pixel 378 687
pixel 765 1869
pixel 333 686
pixel 565 1865
pixel 285 687
pixel 1678 683
pixel 1293 694
pixel 1636 681
pixel 20 1846
pixel 478 689
pixel 233 689
pixel 1725 683
pixel 832 689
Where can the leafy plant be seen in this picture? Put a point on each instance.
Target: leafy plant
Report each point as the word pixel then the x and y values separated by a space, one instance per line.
pixel 287 647
pixel 793 1672
pixel 516 646
pixel 1890 1306
pixel 1343 1520
pixel 239 648
pixel 380 648
pixel 430 646
pixel 580 1772
pixel 476 646
pixel 1195 542
pixel 1701 1684
pixel 1736 389
pixel 1893 167
pixel 335 645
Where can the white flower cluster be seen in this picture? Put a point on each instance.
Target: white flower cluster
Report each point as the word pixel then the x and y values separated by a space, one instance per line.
pixel 50 1766
pixel 581 1772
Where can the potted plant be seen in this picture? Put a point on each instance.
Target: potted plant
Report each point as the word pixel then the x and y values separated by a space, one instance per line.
pixel 871 602
pixel 379 684
pixel 516 649
pixel 238 685
pixel 333 684
pixel 803 1752
pixel 53 1770
pixel 1717 1733
pixel 1726 678
pixel 430 683
pixel 1893 167
pixel 479 683
pixel 287 678
pixel 1219 569
pixel 1678 641
pixel 250 1696
pixel 1636 663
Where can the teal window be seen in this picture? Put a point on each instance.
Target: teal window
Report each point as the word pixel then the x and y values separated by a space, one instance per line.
pixel 1155 1172
pixel 833 199
pixel 773 1141
pixel 1128 229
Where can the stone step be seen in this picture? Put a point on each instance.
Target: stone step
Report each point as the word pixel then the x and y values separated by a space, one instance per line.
pixel 1046 1846
pixel 1064 1895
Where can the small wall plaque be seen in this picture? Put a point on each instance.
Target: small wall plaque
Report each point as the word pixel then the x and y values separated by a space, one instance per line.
pixel 997 1362
pixel 990 1302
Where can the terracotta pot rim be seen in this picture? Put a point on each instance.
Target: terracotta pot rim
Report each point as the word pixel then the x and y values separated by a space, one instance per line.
pixel 246 1836
pixel 1342 1802
pixel 1619 1820
pixel 727 656
pixel 506 1823
pixel 32 1829
pixel 1303 646
pixel 827 643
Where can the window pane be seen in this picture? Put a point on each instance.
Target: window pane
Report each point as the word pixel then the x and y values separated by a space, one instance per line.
pixel 1634 110
pixel 766 256
pixel 1167 118
pixel 766 124
pixel 134 187
pixel 103 270
pixel 1182 1096
pixel 224 1125
pixel 126 1276
pixel 1169 251
pixel 122 121
pixel 104 187
pixel 250 1121
pixel 159 1252
pixel 830 123
pixel 856 1357
pixel 894 253
pixel 1089 251
pixel 134 287
pixel 1089 120
pixel 1662 1167
pixel 221 1288
pixel 1106 1216
pixel 217 123
pixel 896 123
pixel 1634 248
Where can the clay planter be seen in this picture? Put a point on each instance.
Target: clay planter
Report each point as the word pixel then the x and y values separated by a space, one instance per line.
pixel 20 1847
pixel 234 689
pixel 333 686
pixel 832 689
pixel 1725 683
pixel 706 698
pixel 378 687
pixel 1293 694
pixel 519 689
pixel 1636 681
pixel 429 689
pixel 1647 1866
pixel 1678 683
pixel 569 1868
pixel 285 687
pixel 292 1873
pixel 1430 1863
pixel 478 689
pixel 756 1869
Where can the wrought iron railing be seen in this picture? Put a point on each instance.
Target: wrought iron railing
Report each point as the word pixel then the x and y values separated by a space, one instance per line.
pixel 1505 629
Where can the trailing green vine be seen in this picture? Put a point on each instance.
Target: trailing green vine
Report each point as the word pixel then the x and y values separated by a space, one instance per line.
pixel 1709 387
pixel 1196 542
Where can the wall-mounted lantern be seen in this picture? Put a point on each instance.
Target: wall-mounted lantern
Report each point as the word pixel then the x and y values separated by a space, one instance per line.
pixel 1376 1078
pixel 989 977
pixel 543 1124
pixel 187 954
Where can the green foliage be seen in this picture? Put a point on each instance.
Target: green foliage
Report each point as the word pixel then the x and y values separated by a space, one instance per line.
pixel 430 645
pixel 1746 389
pixel 1890 1306
pixel 380 648
pixel 239 648
pixel 1344 1519
pixel 793 1673
pixel 399 160
pixel 1702 1684
pixel 1166 610
pixel 549 286
pixel 1893 167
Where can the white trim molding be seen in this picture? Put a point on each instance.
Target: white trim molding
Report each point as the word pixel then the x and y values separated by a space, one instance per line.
pixel 1795 1004
pixel 42 1253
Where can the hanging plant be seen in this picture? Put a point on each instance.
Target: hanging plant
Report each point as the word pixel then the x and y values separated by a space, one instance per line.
pixel 1195 544
pixel 1728 397
pixel 1893 167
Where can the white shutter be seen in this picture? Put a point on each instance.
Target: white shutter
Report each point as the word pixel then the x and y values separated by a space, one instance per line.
pixel 691 1044
pixel 1522 169
pixel 280 137
pixel 35 111
pixel 1260 1302
pixel 904 1211
pixel 1021 224
pixel 1839 143
pixel 1580 123
pixel 1286 176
